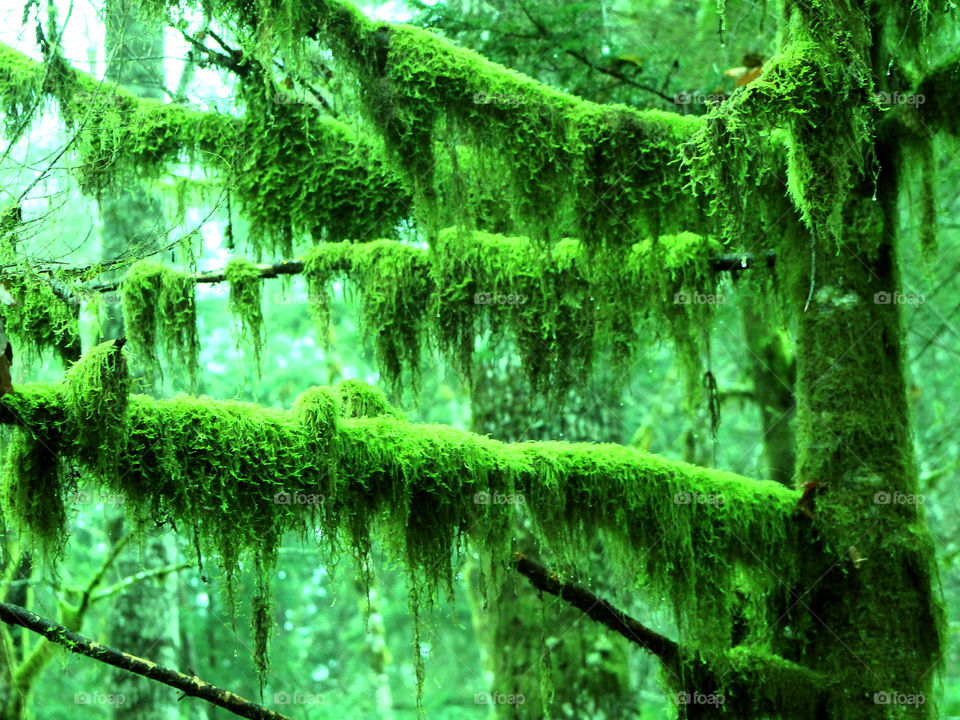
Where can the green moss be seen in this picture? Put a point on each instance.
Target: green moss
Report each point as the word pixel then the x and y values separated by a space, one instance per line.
pixel 424 489
pixel 245 304
pixel 39 318
pixel 357 399
pixel 294 173
pixel 159 311
pixel 556 156
pixel 315 177
pixel 35 479
pixel 393 286
pixel 560 304
pixel 98 387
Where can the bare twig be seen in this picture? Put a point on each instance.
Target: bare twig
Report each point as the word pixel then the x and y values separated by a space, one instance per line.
pixel 599 609
pixel 188 684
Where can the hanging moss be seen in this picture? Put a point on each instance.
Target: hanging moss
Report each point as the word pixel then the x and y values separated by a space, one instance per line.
pixel 98 387
pixel 39 318
pixel 245 304
pixel 560 304
pixel 159 311
pixel 295 174
pixel 393 286
pixel 35 480
pixel 314 178
pixel 242 475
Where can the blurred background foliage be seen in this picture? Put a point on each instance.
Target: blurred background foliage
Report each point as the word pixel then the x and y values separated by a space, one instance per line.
pixel 353 654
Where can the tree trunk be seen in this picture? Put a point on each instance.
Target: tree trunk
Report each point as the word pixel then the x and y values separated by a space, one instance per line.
pixel 870 618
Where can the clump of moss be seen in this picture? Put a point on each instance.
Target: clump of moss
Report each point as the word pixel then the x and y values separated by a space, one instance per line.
pixel 39 318
pixel 304 175
pixel 357 399
pixel 159 309
pixel 561 303
pixel 395 294
pixel 35 478
pixel 98 387
pixel 245 303
pixel 392 283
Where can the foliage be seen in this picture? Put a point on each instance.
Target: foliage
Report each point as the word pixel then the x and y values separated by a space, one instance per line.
pixel 245 303
pixel 159 311
pixel 38 318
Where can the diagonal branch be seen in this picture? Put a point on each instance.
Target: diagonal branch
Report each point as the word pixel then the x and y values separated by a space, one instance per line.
pixel 188 684
pixel 599 609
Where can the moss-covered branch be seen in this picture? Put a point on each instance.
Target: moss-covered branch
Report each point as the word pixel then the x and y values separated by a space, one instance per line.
pixel 240 475
pixel 561 304
pixel 566 166
pixel 295 173
pixel 190 685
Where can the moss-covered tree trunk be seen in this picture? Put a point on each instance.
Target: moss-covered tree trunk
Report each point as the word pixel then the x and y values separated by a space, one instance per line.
pixel 868 616
pixel 871 618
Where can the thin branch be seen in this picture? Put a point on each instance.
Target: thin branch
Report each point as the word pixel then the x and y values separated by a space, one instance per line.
pixel 728 262
pixel 619 76
pixel 98 578
pixel 188 684
pixel 599 609
pixel 137 577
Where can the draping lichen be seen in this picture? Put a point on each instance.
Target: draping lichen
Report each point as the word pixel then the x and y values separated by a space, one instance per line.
pixel 38 318
pixel 561 304
pixel 245 304
pixel 243 475
pixel 160 312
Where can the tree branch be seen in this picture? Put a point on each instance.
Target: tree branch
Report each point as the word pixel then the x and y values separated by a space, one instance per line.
pixel 599 609
pixel 137 577
pixel 188 684
pixel 731 262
